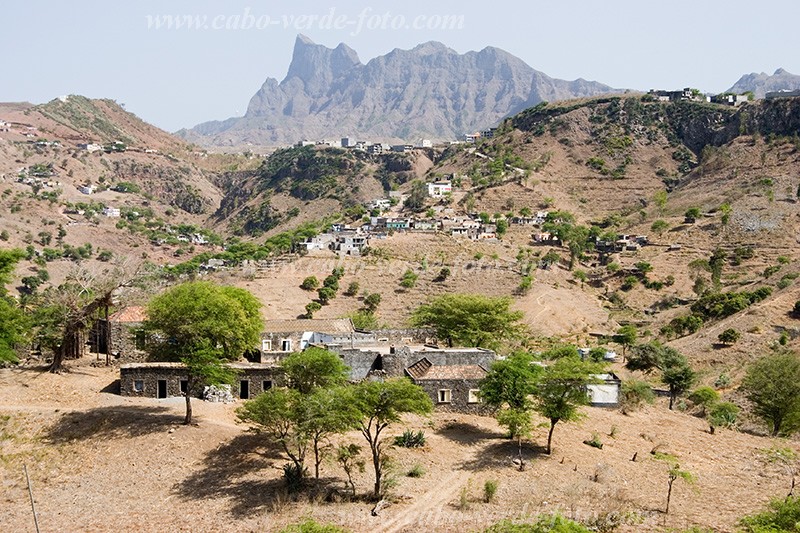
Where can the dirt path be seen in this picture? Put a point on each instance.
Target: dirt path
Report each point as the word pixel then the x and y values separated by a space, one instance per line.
pixel 427 506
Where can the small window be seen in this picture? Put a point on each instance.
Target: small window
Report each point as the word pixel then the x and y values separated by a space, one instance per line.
pixel 266 345
pixel 444 395
pixel 138 385
pixel 184 386
pixel 286 345
pixel 473 396
pixel 267 385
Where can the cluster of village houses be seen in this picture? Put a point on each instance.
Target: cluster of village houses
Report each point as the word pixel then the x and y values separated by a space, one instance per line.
pixel 383 148
pixel 450 376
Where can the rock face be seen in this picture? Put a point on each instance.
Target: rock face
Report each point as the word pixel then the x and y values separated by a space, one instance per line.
pixel 429 91
pixel 762 83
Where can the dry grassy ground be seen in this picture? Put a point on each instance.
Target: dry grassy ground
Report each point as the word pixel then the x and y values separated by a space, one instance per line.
pixel 101 462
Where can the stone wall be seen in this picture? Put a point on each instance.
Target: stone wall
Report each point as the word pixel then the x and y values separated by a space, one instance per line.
pixel 147 375
pixel 459 395
pixel 395 363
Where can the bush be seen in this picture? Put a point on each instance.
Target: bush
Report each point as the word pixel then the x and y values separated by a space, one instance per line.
pixel 635 393
pixel 332 282
pixel 352 289
pixel 723 415
pixel 782 515
pixel 312 526
pixel 416 471
pixel 311 308
pixel 325 295
pixel 294 476
pixel 311 283
pixel 554 523
pixel 594 442
pixel 729 336
pixel 704 397
pixel 444 273
pixel 410 439
pixel 409 279
pixel 489 490
pixel 372 301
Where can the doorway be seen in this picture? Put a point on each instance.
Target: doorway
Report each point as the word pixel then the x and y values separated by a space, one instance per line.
pixel 162 388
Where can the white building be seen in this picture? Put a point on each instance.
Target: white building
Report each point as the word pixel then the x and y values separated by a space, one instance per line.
pixel 112 212
pixel 437 189
pixel 86 189
pixel 425 143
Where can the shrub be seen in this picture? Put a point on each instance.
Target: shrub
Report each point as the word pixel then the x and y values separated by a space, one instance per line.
pixel 325 295
pixel 312 526
pixel 722 415
pixel 364 320
pixel 635 393
pixel 729 336
pixel 410 439
pixel 338 272
pixel 311 308
pixel 294 476
pixel 352 289
pixel 722 381
pixel 372 301
pixel 659 226
pixel 311 283
pixel 594 442
pixel 332 282
pixel 704 397
pixel 409 279
pixel 416 471
pixel 629 282
pixel 444 273
pixel 782 515
pixel 489 490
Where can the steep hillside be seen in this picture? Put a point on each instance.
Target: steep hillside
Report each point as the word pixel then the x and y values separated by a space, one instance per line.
pixel 430 91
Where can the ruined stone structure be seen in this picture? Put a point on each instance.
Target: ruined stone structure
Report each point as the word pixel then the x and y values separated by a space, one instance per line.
pixel 164 380
pixel 122 336
pixel 450 387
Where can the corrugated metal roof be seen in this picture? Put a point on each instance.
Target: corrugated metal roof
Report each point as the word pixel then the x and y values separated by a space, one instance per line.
pixel 335 325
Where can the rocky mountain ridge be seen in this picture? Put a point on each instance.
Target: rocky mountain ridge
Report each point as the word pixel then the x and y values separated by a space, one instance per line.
pixel 430 91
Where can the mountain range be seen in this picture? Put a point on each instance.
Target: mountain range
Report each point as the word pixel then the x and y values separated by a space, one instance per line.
pixel 430 91
pixel 762 83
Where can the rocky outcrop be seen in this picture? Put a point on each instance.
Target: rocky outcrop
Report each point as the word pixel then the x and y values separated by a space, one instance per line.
pixel 429 91
pixel 762 83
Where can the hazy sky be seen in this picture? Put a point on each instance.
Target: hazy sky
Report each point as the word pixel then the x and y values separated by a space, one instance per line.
pixel 179 77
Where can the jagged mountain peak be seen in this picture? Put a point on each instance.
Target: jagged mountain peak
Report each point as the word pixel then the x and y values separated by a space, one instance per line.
pixel 762 83
pixel 429 91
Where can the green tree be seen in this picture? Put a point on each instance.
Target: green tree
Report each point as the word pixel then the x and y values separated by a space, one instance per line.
pixel 352 289
pixel 674 367
pixel 314 368
pixel 409 279
pixel 381 403
pixel 659 226
pixel 772 384
pixel 704 397
pixel 325 295
pixel 372 301
pixel 692 214
pixel 725 213
pixel 415 200
pixel 511 382
pixel 561 391
pixel 470 319
pixel 729 336
pixel 311 308
pixel 311 283
pixel 502 226
pixel 674 473
pixel 660 199
pixel 203 325
pixel 626 336
pixel 14 325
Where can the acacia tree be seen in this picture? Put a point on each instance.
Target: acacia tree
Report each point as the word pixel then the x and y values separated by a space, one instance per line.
pixel 66 312
pixel 313 368
pixel 470 319
pixel 14 325
pixel 561 391
pixel 772 384
pixel 314 406
pixel 203 325
pixel 675 370
pixel 508 387
pixel 381 403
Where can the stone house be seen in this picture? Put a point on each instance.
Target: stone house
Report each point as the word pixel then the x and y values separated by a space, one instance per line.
pixel 164 380
pixel 281 337
pixel 122 336
pixel 451 387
